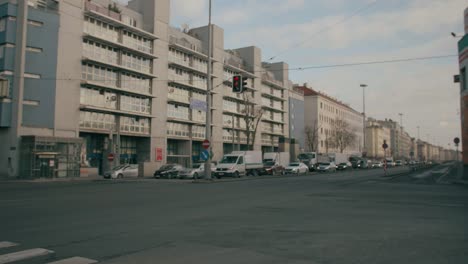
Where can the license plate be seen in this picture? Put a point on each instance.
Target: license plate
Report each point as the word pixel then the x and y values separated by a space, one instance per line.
pixel 220 174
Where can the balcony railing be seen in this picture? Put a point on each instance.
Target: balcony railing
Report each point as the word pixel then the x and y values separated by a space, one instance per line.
pixel 89 6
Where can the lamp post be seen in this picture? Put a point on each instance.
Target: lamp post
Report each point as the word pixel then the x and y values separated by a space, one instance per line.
pixel 208 97
pixel 364 116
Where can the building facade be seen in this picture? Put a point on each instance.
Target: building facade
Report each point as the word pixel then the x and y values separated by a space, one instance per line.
pixel 376 135
pixel 296 120
pixel 400 140
pixel 323 114
pixel 463 62
pixel 123 86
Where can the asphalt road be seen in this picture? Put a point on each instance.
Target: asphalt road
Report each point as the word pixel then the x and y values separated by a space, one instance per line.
pixel 349 217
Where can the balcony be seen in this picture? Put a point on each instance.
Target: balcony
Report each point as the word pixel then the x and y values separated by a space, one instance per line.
pixel 270 80
pixel 118 67
pixel 187 46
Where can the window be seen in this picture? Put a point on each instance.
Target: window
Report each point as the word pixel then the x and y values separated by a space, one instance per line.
pixel 136 62
pixel 178 93
pixel 32 76
pixel 137 42
pixel 92 120
pixel 177 111
pixel 198 131
pixel 99 74
pixel 135 104
pixel 100 52
pixel 135 125
pixel 100 29
pixel 135 83
pixel 33 49
pixel 35 23
pixel 98 98
pixel 177 129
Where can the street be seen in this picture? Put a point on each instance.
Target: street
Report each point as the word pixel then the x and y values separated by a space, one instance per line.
pixel 345 217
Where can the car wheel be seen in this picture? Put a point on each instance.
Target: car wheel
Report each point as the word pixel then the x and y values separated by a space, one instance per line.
pixel 120 176
pixel 236 174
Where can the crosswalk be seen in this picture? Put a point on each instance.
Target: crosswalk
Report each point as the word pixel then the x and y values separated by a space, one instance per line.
pixel 11 253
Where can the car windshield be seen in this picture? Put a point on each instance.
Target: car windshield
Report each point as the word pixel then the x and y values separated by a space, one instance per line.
pixel 342 163
pixel 229 160
pixel 295 164
pixel 196 166
pixel 303 156
pixel 119 167
pixel 269 163
pixel 324 163
pixel 167 167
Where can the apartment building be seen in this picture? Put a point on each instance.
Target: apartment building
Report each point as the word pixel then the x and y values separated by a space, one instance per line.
pixel 296 121
pixel 122 86
pixel 321 112
pixel 400 142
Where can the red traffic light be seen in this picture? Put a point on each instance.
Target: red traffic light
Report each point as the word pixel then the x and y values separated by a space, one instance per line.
pixel 236 78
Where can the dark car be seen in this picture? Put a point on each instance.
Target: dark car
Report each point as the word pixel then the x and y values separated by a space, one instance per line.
pixel 168 171
pixel 271 168
pixel 342 166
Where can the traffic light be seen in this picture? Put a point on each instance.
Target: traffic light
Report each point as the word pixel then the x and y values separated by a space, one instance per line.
pixel 237 84
pixel 244 83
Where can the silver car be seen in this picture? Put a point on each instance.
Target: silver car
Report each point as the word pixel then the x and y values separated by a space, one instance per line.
pixel 197 171
pixel 127 170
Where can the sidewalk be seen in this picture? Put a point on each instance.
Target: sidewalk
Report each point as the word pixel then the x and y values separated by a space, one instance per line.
pixel 47 180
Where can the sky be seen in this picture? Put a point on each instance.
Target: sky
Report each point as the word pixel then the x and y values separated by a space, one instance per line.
pixel 329 32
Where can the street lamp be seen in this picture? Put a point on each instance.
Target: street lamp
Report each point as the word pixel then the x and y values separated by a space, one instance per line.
pixel 208 96
pixel 364 115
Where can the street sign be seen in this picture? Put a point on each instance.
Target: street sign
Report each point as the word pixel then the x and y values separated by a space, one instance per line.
pixel 384 146
pixel 198 105
pixel 159 154
pixel 206 144
pixel 204 155
pixel 456 141
pixel 110 157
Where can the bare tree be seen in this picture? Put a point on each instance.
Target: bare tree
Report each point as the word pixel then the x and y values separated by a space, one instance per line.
pixel 342 135
pixel 312 134
pixel 252 116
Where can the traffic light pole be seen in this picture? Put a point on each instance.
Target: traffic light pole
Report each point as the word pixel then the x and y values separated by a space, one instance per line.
pixel 208 97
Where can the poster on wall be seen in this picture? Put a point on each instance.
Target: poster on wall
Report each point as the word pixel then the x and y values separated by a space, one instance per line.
pixel 159 154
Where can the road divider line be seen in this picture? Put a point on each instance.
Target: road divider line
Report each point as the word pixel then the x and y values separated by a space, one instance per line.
pixel 24 254
pixel 74 260
pixel 7 244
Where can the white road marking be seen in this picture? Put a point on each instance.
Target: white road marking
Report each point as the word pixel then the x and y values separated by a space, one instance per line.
pixel 25 254
pixel 7 244
pixel 74 260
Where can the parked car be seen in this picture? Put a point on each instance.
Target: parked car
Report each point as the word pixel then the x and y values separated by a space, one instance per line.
pixel 377 164
pixel 272 168
pixel 168 171
pixel 296 168
pixel 197 171
pixel 344 166
pixel 127 170
pixel 326 167
pixel 399 163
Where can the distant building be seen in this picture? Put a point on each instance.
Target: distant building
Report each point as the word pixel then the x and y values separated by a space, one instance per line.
pixel 296 120
pixel 322 111
pixel 376 135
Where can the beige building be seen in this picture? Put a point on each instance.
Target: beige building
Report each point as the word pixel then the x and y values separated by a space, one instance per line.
pixel 400 141
pixel 322 111
pixel 376 135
